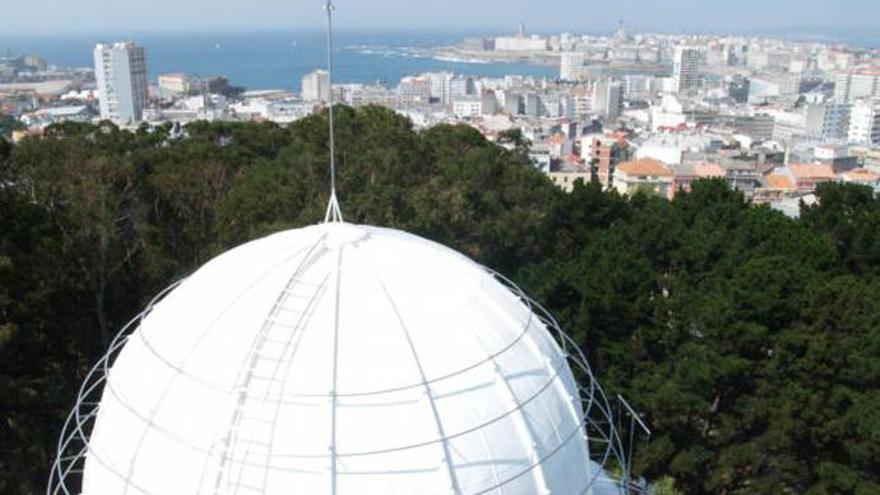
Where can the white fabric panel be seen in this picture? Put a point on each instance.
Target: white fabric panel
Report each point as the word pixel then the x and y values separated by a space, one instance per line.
pixel 342 357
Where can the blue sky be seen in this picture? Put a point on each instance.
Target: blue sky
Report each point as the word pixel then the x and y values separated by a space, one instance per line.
pixel 40 17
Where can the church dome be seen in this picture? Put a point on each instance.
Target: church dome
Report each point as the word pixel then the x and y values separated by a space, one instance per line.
pixel 338 359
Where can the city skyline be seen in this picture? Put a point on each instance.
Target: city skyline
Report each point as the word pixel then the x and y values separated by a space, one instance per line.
pixel 102 16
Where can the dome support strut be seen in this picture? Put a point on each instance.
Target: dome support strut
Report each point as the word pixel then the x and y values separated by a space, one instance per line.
pixel 334 213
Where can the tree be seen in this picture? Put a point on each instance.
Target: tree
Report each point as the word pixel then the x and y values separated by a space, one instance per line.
pixel 747 339
pixel 221 86
pixel 8 123
pixel 849 213
pixel 5 149
pixel 514 138
pixel 89 188
pixel 41 336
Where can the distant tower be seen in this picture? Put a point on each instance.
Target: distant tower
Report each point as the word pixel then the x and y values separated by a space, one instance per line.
pixel 206 99
pixel 620 35
pixel 608 98
pixel 686 69
pixel 864 125
pixel 521 32
pixel 316 86
pixel 121 72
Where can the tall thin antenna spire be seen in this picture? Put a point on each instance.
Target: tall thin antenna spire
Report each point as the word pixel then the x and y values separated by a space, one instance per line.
pixel 334 214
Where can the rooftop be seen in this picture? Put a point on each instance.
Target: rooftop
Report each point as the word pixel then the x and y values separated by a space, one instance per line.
pixel 861 175
pixel 778 181
pixel 707 170
pixel 645 166
pixel 812 171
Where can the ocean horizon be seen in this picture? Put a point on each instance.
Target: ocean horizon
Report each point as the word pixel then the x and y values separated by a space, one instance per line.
pixel 276 59
pixel 260 60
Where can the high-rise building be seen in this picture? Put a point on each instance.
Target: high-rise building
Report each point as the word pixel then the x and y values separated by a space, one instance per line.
pixel 686 69
pixel 441 86
pixel 738 88
pixel 316 86
pixel 638 87
pixel 488 102
pixel 850 85
pixel 608 98
pixel 513 103
pixel 582 102
pixel 620 36
pixel 571 66
pixel 606 152
pixel 556 105
pixel 461 86
pixel 121 72
pixel 828 121
pixel 717 54
pixel 414 90
pixel 533 105
pixel 864 122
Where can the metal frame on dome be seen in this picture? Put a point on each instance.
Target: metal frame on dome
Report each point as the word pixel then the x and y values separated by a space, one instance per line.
pixel 597 425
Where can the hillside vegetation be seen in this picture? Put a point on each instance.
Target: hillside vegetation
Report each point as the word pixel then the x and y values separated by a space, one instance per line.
pixel 749 340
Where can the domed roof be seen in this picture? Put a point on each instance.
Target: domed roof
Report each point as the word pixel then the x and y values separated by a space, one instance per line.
pixel 340 359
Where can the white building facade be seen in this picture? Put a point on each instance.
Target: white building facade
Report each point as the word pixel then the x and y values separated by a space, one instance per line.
pixel 850 85
pixel 121 73
pixel 174 83
pixel 608 98
pixel 468 106
pixel 828 121
pixel 441 86
pixel 316 86
pixel 686 69
pixel 521 44
pixel 864 123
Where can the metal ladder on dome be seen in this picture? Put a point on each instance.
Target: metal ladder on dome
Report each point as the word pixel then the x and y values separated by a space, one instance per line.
pixel 262 382
pixel 270 361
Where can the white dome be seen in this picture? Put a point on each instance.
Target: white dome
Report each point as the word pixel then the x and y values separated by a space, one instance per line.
pixel 340 359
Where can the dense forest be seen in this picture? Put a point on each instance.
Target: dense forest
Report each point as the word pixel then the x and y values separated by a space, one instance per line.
pixel 749 340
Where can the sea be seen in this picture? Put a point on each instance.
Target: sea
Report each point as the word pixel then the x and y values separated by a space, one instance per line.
pixel 277 60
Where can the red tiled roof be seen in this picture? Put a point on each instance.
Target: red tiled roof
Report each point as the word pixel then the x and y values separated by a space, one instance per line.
pixel 778 181
pixel 645 166
pixel 861 175
pixel 706 170
pixel 812 171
